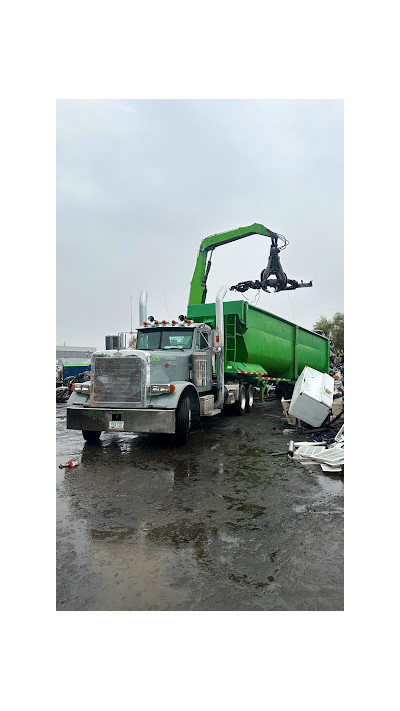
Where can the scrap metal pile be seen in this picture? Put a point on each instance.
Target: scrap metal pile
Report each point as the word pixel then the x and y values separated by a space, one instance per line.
pixel 329 455
pixel 316 404
pixel 64 391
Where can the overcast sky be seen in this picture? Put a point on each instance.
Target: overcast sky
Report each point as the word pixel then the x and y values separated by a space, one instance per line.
pixel 140 183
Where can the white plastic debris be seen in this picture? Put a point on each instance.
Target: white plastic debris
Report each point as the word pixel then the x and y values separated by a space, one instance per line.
pixel 340 435
pixel 308 451
pixel 332 470
pixel 333 456
pixel 329 456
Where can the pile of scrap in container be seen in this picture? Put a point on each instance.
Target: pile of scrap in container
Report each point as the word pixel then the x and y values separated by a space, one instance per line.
pixel 330 456
pixel 317 405
pixel 315 402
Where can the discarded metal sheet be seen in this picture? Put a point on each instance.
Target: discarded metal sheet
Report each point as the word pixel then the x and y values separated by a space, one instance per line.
pixel 327 468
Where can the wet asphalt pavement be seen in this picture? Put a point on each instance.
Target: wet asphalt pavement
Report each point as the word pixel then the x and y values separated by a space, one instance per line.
pixel 218 524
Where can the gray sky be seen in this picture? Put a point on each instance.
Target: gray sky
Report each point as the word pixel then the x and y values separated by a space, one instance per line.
pixel 140 183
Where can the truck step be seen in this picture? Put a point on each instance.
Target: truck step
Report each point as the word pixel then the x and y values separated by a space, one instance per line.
pixel 211 413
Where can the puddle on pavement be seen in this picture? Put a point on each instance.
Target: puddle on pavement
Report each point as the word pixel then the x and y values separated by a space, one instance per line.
pixel 300 508
pixel 254 510
pixel 331 484
pixel 233 541
pixel 118 451
pixel 112 535
pixel 178 533
pixel 245 580
pixel 182 534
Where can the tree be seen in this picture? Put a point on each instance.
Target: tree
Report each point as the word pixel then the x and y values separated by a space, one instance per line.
pixel 333 329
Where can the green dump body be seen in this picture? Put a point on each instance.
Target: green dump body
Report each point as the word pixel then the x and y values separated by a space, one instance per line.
pixel 258 343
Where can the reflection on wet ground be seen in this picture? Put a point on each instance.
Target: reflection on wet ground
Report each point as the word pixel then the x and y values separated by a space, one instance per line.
pixel 215 525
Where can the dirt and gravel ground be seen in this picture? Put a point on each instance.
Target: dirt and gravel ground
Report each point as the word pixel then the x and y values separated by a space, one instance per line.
pixel 218 524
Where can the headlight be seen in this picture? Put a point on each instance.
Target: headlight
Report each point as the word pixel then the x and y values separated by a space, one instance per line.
pixel 161 389
pixel 81 388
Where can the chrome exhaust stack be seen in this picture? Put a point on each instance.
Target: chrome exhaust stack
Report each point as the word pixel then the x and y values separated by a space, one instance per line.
pixel 142 307
pixel 219 322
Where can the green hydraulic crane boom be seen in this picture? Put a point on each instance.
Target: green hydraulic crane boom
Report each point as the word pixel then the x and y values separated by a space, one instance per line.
pixel 198 286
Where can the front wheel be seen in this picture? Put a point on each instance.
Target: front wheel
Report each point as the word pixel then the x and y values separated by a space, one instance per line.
pixel 249 398
pixel 182 420
pixel 91 435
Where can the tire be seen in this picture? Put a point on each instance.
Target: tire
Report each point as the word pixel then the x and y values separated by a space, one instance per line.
pixel 240 404
pixel 278 391
pixel 182 420
pixel 287 390
pixel 249 398
pixel 196 419
pixel 91 435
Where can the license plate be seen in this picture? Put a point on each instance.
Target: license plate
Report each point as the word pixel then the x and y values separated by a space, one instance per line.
pixel 116 425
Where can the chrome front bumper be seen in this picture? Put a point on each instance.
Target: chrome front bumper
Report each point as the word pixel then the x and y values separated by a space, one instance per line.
pixel 134 420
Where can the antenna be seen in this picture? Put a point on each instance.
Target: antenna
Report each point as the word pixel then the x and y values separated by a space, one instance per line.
pixel 131 314
pixel 166 305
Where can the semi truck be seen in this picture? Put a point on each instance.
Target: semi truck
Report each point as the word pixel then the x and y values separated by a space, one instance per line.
pixel 196 366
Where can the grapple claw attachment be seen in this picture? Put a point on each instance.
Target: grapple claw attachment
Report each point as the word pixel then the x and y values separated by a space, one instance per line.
pixel 273 268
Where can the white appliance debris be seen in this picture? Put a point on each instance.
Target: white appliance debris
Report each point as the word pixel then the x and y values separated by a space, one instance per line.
pixel 312 397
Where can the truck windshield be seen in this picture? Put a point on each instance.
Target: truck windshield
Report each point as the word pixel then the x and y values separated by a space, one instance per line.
pixel 164 338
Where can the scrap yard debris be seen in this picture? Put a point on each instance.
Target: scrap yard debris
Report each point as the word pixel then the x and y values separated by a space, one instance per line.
pixel 316 404
pixel 329 456
pixel 64 391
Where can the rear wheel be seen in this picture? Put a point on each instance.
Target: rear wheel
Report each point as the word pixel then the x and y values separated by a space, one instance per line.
pixel 287 390
pixel 91 435
pixel 182 420
pixel 240 404
pixel 249 398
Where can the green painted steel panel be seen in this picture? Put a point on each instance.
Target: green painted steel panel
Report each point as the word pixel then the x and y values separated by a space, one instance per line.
pixel 280 346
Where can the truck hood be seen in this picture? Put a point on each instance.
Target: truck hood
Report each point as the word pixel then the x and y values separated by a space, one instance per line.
pixel 165 366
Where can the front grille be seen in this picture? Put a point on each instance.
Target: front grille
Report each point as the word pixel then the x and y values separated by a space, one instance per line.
pixel 119 380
